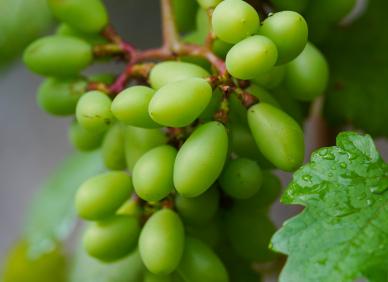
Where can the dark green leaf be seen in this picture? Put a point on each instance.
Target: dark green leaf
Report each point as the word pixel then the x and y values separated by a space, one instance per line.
pixel 52 215
pixel 343 231
pixel 358 91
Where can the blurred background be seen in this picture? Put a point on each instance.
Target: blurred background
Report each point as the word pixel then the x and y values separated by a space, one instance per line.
pixel 32 143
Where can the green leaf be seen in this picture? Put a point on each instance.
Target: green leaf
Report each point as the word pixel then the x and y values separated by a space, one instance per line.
pixel 88 269
pixel 52 215
pixel 358 91
pixel 343 231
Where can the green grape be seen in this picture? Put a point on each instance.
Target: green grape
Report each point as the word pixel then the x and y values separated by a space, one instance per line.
pixel 93 39
pixel 200 160
pixel 179 103
pixel 268 193
pixel 131 107
pixel 209 233
pixel 199 210
pixel 198 61
pixel 241 178
pixel 113 151
pixel 84 140
pixel 277 135
pixel 20 267
pixel 101 195
pixel 272 78
pixel 150 277
pixel 138 141
pixel 288 30
pixel 93 111
pixel 113 238
pixel 251 57
pixel 89 16
pixel 249 234
pixel 213 106
pixel 307 76
pixel 184 12
pixel 244 145
pixel 221 48
pixel 234 20
pixel 106 78
pixel 237 112
pixel 153 172
pixel 200 263
pixel 208 4
pixel 60 96
pixel 161 242
pixel 167 72
pixel 294 5
pixel 292 107
pixel 131 207
pixel 263 95
pixel 58 55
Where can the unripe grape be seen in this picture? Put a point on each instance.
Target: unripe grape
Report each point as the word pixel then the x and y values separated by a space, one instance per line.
pixel 101 195
pixel 113 151
pixel 179 103
pixel 263 95
pixel 139 141
pixel 58 55
pixel 200 160
pixel 89 16
pixel 208 4
pixel 241 178
pixel 210 234
pixel 272 78
pixel 307 76
pixel 93 111
pixel 200 263
pixel 60 96
pixel 153 172
pixel 184 12
pixel 199 210
pixel 221 48
pixel 171 71
pixel 277 135
pixel 251 57
pixel 234 20
pixel 288 30
pixel 84 140
pixel 112 238
pixel 91 38
pixel 161 242
pixel 150 277
pixel 131 107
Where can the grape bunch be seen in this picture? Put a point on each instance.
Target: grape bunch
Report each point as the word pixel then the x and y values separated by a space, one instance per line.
pixel 189 133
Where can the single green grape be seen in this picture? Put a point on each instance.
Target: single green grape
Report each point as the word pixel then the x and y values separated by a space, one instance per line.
pixel 93 111
pixel 184 12
pixel 251 57
pixel 249 233
pixel 200 160
pixel 263 95
pixel 113 238
pixel 131 106
pixel 139 141
pixel 221 48
pixel 200 263
pixel 113 151
pixel 294 5
pixel 241 178
pixel 153 173
pixel 91 38
pixel 78 15
pixel 84 140
pixel 150 277
pixel 59 96
pixel 213 106
pixel 234 20
pixel 58 55
pixel 208 4
pixel 178 104
pixel 289 31
pixel 307 76
pixel 210 233
pixel 199 210
pixel 272 78
pixel 277 135
pixel 100 196
pixel 172 71
pixel 161 242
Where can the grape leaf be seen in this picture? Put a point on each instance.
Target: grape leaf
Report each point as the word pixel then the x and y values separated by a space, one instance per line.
pixel 358 91
pixel 342 234
pixel 52 215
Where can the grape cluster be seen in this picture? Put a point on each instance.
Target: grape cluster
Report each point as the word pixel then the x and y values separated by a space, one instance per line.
pixel 189 150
